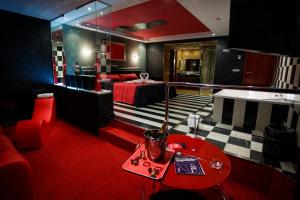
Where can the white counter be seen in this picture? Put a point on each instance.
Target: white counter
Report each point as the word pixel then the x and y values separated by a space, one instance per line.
pixel 260 114
pixel 267 97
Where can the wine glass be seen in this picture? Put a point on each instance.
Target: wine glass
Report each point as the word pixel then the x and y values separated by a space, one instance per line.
pixel 193 121
pixel 216 164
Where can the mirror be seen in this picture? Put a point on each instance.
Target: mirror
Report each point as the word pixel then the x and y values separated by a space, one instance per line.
pixel 79 50
pixel 192 65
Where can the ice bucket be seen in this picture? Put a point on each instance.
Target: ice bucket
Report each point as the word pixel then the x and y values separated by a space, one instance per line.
pixel 155 145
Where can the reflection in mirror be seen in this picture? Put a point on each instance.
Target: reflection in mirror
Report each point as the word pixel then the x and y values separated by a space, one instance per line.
pixel 81 35
pixel 58 58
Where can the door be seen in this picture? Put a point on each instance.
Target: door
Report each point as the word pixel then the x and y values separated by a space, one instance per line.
pixel 172 69
pixel 208 65
pixel 258 69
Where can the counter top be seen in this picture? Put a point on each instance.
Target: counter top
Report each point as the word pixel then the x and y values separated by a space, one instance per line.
pixel 82 75
pixel 188 73
pixel 103 91
pixel 258 96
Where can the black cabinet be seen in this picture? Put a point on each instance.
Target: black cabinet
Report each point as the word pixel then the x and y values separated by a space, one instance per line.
pixel 85 109
pixel 265 26
pixel 190 78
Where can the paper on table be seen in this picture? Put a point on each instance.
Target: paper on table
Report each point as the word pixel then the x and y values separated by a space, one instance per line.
pixel 188 165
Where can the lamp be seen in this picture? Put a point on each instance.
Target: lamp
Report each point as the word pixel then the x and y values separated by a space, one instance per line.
pixel 86 51
pixel 135 57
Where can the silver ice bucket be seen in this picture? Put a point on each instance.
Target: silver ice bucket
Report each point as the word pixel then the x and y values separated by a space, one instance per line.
pixel 155 145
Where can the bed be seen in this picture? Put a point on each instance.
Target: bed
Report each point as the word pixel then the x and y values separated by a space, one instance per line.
pixel 136 92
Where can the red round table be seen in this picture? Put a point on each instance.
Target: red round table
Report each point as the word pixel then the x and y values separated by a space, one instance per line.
pixel 206 152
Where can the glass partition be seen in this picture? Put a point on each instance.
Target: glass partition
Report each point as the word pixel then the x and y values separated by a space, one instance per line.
pixel 79 40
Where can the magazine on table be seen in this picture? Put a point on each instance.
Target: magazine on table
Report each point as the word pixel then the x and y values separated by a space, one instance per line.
pixel 188 165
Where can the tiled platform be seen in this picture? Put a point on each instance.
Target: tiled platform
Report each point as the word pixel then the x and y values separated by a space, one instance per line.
pixel 233 140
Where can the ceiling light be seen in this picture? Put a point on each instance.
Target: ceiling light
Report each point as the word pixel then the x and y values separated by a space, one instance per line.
pixel 213 34
pixel 87 24
pixel 101 13
pixel 89 8
pixel 57 42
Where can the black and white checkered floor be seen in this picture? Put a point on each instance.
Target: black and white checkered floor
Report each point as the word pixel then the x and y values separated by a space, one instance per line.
pixel 232 140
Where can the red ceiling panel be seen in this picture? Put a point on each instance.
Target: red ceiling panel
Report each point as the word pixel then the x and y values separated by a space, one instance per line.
pixel 179 20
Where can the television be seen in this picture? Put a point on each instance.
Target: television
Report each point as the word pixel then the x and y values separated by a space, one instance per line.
pixel 265 26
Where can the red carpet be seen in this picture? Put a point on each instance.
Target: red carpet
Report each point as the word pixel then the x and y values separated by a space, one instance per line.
pixel 76 165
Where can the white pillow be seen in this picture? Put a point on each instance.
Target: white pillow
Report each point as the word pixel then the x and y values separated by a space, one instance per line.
pixel 45 95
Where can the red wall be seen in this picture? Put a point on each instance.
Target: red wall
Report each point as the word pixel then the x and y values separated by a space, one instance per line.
pixel 258 69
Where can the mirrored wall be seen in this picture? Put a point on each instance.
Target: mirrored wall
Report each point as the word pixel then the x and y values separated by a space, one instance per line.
pixel 80 41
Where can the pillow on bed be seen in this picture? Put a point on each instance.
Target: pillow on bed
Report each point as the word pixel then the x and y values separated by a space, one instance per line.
pixel 128 77
pixel 113 77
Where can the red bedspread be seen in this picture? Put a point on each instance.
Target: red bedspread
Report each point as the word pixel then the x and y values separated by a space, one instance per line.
pixel 125 92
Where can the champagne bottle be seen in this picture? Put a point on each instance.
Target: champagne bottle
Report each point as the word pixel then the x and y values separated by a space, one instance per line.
pixel 163 129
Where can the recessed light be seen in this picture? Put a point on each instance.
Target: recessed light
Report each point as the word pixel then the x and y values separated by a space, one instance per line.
pixel 89 8
pixel 213 34
pixel 101 13
pixel 57 42
pixel 87 24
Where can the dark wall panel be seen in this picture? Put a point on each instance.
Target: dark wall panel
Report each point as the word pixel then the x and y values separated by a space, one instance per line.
pixel 25 52
pixel 268 26
pixel 155 54
pixel 25 66
pixel 229 64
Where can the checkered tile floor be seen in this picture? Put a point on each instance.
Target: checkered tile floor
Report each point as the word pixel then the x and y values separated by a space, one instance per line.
pixel 232 140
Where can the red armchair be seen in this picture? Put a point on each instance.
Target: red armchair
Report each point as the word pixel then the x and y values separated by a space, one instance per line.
pixel 15 173
pixel 32 134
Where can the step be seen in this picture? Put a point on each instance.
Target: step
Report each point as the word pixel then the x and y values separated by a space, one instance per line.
pixel 122 134
pixel 133 129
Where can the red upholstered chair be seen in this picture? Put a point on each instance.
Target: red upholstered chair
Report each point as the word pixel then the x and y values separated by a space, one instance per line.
pixel 15 173
pixel 31 134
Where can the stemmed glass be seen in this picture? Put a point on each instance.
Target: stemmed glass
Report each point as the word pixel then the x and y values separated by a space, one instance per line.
pixel 194 119
pixel 216 164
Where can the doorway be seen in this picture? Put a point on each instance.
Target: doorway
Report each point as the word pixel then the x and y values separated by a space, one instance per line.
pixel 192 62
